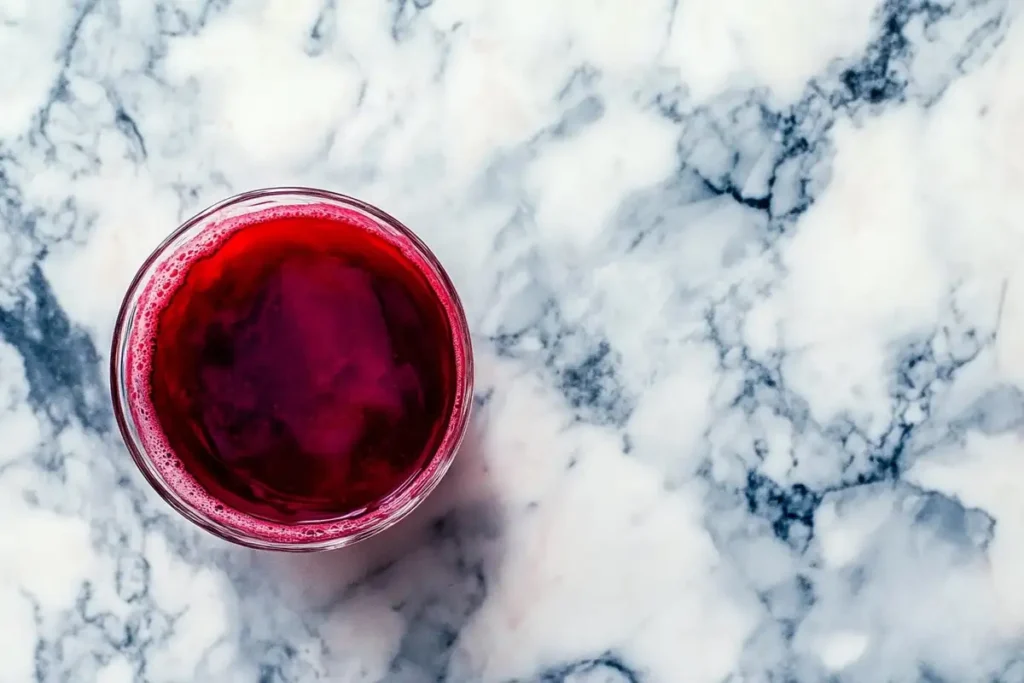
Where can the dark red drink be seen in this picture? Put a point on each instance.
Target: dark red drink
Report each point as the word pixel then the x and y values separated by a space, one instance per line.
pixel 297 375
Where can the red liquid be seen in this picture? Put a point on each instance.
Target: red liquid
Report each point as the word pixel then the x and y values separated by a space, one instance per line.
pixel 301 368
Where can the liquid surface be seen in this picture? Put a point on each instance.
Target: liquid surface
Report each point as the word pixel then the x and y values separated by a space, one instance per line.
pixel 302 370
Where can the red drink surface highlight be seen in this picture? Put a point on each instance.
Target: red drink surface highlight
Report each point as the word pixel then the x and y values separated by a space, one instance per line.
pixel 293 370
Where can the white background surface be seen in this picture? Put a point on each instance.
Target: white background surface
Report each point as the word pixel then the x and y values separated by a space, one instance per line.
pixel 744 282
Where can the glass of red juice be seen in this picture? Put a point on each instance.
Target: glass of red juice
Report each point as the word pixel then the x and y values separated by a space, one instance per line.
pixel 292 370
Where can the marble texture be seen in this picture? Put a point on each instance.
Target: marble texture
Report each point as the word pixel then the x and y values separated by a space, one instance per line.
pixel 743 278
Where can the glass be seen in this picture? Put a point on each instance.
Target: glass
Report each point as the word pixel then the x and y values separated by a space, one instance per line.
pixel 130 379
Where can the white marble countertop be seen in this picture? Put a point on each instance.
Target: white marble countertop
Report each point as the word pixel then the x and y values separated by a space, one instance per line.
pixel 749 321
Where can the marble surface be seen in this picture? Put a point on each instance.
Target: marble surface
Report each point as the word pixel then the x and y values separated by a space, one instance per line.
pixel 749 319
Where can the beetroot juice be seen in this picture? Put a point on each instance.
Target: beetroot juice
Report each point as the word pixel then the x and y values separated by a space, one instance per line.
pixel 292 370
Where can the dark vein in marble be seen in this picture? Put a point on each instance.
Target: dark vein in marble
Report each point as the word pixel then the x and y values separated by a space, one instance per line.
pixel 61 363
pixel 608 668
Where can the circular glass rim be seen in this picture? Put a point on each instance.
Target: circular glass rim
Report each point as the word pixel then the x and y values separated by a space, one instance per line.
pixel 350 530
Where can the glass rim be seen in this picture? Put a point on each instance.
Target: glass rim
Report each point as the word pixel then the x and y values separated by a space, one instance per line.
pixel 399 503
